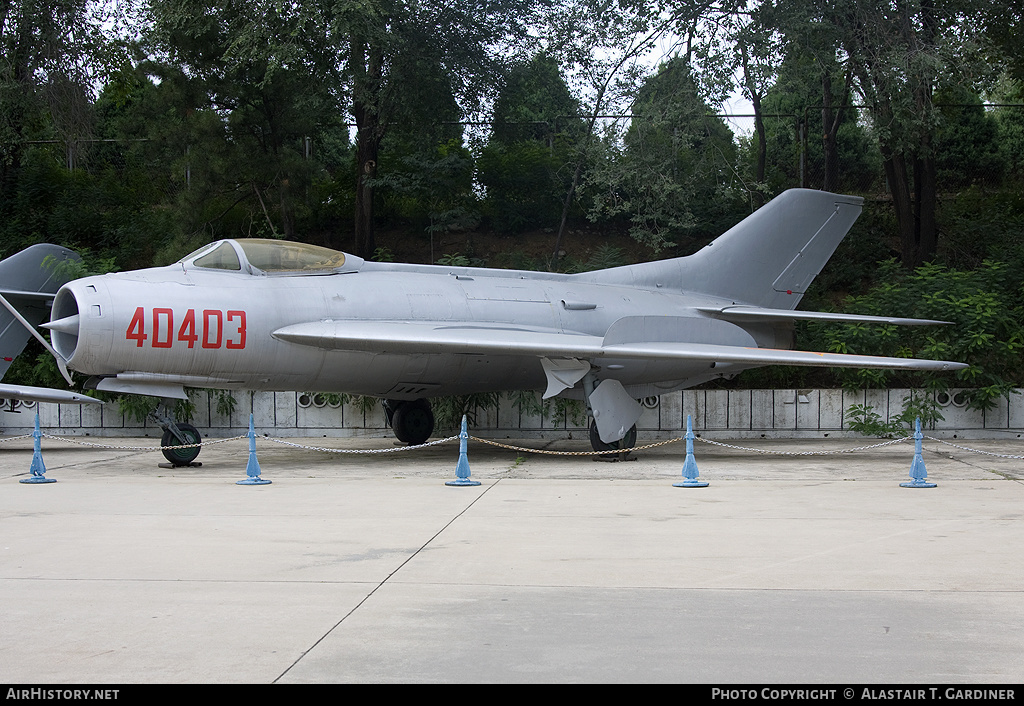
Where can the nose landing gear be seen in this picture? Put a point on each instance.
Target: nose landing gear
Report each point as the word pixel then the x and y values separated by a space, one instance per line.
pixel 181 434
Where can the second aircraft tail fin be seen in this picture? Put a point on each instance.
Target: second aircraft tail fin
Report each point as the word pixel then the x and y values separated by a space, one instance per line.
pixel 27 284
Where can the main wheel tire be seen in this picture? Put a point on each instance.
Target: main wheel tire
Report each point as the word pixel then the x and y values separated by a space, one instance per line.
pixel 182 457
pixel 624 444
pixel 413 422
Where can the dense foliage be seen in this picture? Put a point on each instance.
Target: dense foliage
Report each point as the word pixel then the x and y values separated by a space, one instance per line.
pixel 136 138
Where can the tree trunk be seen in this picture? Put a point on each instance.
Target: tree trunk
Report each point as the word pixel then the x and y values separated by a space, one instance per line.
pixel 762 145
pixel 914 206
pixel 762 149
pixel 18 86
pixel 367 147
pixel 366 62
pixel 907 141
pixel 287 213
pixel 925 203
pixel 830 128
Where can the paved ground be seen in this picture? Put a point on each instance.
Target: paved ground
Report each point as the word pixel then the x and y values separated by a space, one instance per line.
pixel 786 568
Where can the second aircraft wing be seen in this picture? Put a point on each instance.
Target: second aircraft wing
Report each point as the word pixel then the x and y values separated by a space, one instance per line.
pixel 508 339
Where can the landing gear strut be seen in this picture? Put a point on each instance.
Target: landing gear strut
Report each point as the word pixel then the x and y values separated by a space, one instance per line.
pixel 412 422
pixel 609 398
pixel 624 444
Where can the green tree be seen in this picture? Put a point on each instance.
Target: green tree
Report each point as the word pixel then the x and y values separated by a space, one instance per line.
pixel 895 54
pixel 841 158
pixel 524 164
pixel 381 39
pixel 1010 122
pixel 894 51
pixel 433 187
pixel 51 55
pixel 966 140
pixel 1002 23
pixel 814 84
pixel 535 104
pixel 987 332
pixel 675 177
pixel 261 86
pixel 606 45
pixel 424 174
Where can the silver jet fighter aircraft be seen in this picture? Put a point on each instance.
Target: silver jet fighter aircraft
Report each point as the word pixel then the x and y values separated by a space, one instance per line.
pixel 274 315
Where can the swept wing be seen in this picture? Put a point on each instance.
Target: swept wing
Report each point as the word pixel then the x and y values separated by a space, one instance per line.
pixel 444 337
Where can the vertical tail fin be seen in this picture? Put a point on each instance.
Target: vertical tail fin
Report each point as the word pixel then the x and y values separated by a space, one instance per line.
pixel 29 286
pixel 768 259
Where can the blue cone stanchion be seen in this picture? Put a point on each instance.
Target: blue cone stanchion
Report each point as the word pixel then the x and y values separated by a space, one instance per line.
pixel 38 468
pixel 918 473
pixel 252 469
pixel 462 469
pixel 690 471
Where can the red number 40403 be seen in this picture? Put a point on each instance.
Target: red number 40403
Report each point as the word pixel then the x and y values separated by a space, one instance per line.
pixel 207 328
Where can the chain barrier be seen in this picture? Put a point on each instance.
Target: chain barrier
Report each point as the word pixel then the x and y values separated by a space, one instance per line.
pixel 512 447
pixel 142 448
pixel 807 453
pixel 392 449
pixel 976 451
pixel 574 453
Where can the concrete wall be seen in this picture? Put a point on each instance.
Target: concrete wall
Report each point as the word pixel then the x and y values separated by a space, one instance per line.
pixel 719 414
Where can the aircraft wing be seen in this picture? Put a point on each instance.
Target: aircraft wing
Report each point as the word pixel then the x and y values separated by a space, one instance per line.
pixel 499 339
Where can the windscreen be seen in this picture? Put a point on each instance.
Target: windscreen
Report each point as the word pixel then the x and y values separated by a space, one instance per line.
pixel 223 257
pixel 286 256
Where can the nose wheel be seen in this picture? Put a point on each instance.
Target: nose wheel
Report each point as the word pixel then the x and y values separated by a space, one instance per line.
pixel 181 435
pixel 412 422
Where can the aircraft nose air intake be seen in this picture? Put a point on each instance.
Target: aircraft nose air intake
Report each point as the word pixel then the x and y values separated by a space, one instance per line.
pixel 64 323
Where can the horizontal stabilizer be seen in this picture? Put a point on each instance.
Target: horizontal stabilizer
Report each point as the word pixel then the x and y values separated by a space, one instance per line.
pixel 23 294
pixel 44 394
pixel 748 314
pixel 400 337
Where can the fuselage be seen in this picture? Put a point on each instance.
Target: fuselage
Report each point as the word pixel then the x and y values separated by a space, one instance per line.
pixel 212 327
pixel 275 315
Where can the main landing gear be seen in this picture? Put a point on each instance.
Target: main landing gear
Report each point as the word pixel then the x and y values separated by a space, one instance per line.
pixel 609 401
pixel 412 422
pixel 624 444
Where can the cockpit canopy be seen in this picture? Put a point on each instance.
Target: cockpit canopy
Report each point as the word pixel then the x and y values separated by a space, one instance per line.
pixel 259 256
